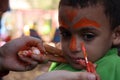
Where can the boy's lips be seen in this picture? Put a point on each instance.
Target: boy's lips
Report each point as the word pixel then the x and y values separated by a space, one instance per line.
pixel 76 59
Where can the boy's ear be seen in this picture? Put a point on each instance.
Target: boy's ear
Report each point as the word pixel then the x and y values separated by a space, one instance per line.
pixel 116 36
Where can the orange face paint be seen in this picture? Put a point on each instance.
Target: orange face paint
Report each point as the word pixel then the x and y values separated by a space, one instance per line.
pixel 73 44
pixel 84 22
pixel 71 14
pixel 68 18
pixel 62 23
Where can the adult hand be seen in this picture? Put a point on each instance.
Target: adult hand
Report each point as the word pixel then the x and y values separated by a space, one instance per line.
pixel 9 59
pixel 67 75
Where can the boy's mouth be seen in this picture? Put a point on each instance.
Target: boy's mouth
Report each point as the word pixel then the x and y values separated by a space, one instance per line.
pixel 76 60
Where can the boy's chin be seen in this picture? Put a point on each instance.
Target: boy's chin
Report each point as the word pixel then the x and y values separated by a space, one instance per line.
pixel 77 66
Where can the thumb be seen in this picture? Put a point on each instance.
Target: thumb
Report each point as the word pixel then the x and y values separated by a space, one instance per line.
pixel 85 76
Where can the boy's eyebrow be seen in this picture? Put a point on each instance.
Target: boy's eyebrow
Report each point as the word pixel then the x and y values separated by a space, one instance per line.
pixel 84 22
pixel 61 28
pixel 62 23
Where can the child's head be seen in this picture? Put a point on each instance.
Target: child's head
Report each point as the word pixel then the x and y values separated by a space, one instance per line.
pixel 94 22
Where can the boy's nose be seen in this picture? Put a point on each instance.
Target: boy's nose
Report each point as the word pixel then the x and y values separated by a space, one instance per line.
pixel 74 44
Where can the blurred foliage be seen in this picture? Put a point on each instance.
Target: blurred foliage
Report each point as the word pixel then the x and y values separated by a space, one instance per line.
pixel 44 4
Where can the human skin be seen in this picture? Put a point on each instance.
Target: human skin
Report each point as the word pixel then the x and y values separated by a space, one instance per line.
pixel 9 59
pixel 66 75
pixel 96 34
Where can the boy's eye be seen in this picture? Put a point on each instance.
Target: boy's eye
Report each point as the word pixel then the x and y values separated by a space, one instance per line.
pixel 88 36
pixel 65 35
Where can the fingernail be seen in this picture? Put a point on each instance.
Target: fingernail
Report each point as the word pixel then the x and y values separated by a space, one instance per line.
pixel 91 77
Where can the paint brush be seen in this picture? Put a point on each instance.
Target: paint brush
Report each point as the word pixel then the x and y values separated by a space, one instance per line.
pixel 88 67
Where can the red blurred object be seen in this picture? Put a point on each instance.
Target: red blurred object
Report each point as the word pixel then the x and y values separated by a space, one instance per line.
pixel 89 65
pixel 8 38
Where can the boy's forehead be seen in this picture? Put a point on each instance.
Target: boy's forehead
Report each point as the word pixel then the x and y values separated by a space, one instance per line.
pixel 70 16
pixel 75 13
pixel 67 15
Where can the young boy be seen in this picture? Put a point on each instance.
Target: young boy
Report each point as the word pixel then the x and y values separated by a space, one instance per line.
pixel 96 23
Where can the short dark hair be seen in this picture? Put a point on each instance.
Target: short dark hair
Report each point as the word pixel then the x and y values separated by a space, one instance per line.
pixel 112 8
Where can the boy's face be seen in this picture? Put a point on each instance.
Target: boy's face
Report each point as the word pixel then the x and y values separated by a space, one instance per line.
pixel 88 25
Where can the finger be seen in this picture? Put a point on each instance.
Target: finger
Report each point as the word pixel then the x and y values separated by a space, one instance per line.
pixel 41 48
pixel 30 66
pixel 58 45
pixel 90 67
pixel 29 63
pixel 97 77
pixel 39 58
pixel 56 59
pixel 33 53
pixel 95 65
pixel 46 58
pixel 84 76
pixel 52 50
pixel 33 42
pixel 26 59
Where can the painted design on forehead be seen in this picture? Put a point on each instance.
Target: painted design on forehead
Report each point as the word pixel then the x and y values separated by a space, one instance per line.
pixel 84 22
pixel 62 23
pixel 71 14
pixel 73 43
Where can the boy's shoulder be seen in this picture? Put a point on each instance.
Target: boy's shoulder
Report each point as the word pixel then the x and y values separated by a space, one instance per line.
pixel 110 60
pixel 109 65
pixel 111 56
